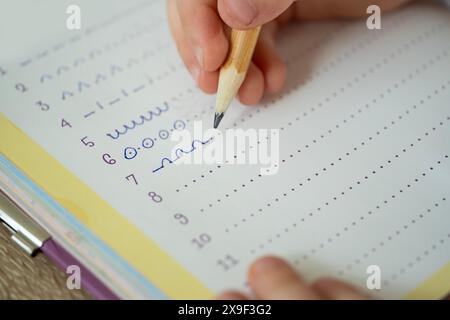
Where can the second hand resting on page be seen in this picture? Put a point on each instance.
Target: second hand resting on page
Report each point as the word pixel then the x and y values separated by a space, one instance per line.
pixel 200 29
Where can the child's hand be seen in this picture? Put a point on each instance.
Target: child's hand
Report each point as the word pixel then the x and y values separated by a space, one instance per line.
pixel 199 29
pixel 271 278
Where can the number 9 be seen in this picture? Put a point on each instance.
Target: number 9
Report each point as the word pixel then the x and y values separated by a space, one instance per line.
pixel 181 218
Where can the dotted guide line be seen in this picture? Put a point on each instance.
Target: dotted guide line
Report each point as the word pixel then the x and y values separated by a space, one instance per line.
pixel 382 243
pixel 318 43
pixel 89 30
pixel 418 259
pixel 339 160
pixel 400 117
pixel 375 210
pixel 115 69
pixel 407 47
pixel 96 53
pixel 350 85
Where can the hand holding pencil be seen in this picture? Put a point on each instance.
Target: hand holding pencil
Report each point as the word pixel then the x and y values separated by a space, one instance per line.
pixel 201 29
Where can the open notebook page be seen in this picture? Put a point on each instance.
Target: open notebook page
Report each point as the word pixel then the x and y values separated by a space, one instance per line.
pixel 364 120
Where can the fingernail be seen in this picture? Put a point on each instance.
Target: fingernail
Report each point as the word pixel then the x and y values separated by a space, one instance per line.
pixel 243 10
pixel 195 72
pixel 198 51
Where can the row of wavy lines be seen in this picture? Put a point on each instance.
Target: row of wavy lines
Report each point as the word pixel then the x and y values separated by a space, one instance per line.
pixel 180 152
pixel 143 119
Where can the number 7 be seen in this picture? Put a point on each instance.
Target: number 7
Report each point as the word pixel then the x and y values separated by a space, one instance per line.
pixel 133 177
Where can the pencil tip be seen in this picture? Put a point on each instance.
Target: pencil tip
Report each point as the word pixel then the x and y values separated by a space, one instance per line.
pixel 217 118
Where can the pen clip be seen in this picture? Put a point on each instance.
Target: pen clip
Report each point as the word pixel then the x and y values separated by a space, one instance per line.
pixel 26 233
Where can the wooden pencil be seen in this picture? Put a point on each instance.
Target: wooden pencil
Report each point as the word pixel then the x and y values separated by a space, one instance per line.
pixel 234 70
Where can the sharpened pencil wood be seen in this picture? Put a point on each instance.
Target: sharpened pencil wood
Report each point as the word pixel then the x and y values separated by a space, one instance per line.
pixel 234 70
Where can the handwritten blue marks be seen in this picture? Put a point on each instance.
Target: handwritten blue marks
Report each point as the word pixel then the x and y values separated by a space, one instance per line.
pixel 180 152
pixel 143 119
pixel 114 69
pixel 132 62
pixel 139 88
pixel 66 94
pixel 87 115
pixel 2 71
pixel 45 77
pixel 82 84
pixel 148 143
pixel 62 69
pixel 25 63
pixel 94 53
pixel 99 77
pixel 42 54
pixel 114 101
pixel 78 61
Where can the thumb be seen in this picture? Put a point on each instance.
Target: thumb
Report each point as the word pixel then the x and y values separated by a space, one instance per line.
pixel 244 14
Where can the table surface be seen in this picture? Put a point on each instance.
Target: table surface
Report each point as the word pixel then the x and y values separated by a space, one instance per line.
pixel 23 277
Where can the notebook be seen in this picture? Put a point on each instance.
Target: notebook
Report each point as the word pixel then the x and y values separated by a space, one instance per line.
pixel 356 177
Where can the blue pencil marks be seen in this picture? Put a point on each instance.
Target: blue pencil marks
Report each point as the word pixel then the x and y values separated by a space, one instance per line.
pixel 143 119
pixel 62 69
pixel 180 152
pixel 114 101
pixel 45 77
pixel 42 54
pixel 79 61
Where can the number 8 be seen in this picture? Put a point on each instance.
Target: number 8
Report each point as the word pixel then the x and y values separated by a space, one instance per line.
pixel 155 197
